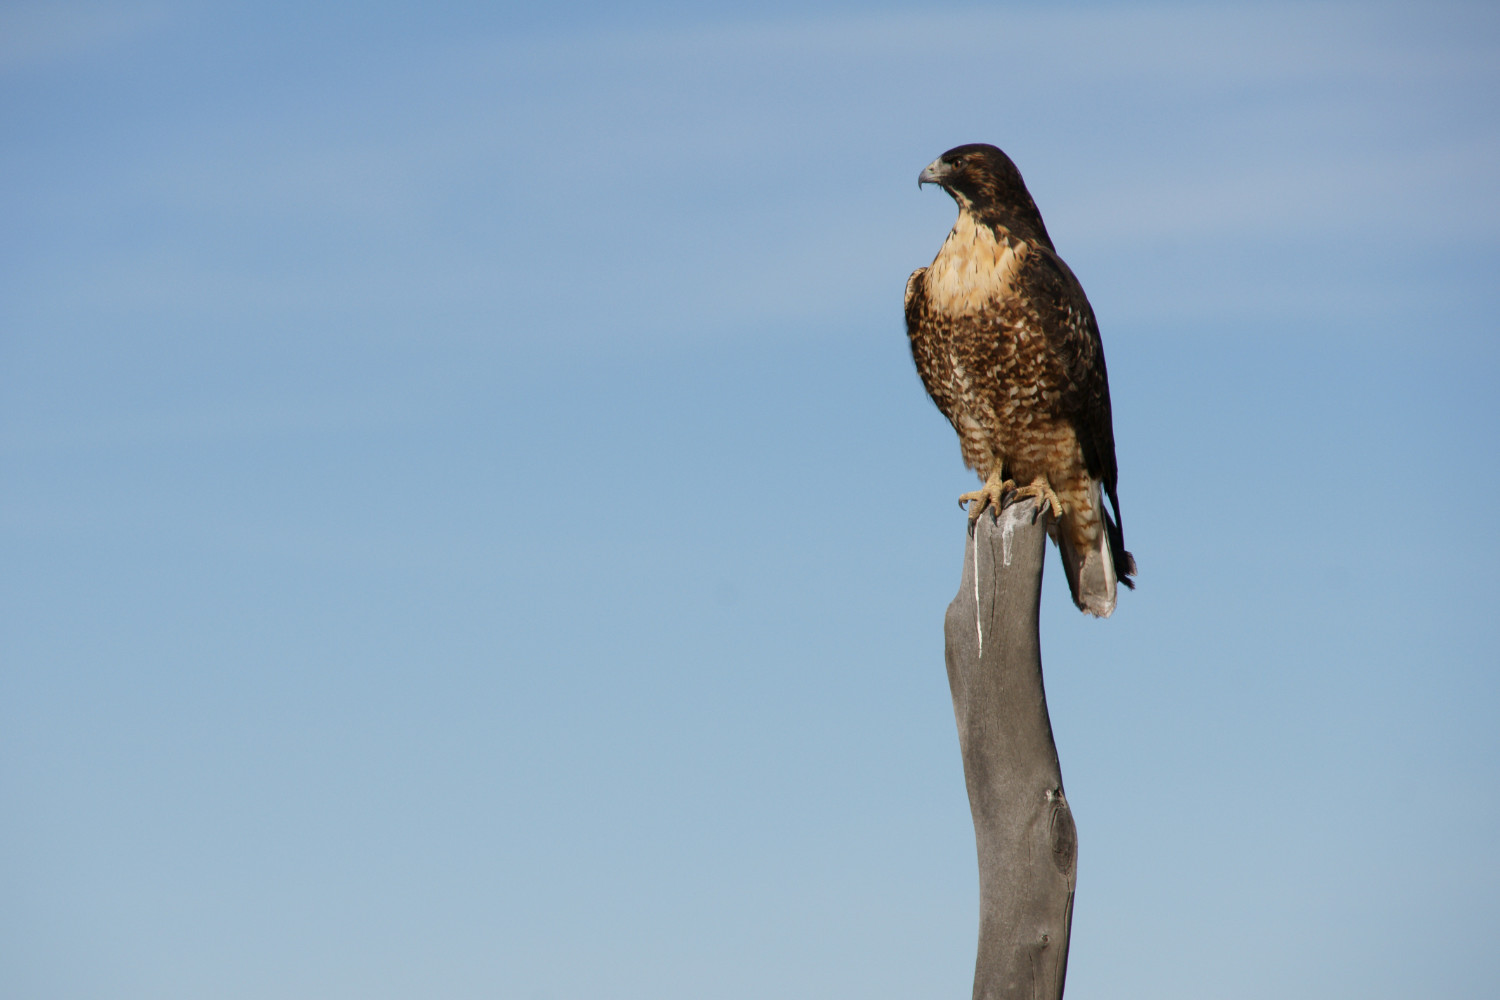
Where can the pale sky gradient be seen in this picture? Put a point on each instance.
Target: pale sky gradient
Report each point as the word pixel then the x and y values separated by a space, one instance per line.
pixel 470 526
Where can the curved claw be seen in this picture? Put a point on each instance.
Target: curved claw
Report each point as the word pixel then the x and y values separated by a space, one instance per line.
pixel 991 494
pixel 1046 497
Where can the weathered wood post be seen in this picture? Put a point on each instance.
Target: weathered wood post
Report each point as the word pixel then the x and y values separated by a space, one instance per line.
pixel 1022 825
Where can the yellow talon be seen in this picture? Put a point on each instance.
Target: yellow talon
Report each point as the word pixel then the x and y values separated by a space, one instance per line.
pixel 992 493
pixel 1042 490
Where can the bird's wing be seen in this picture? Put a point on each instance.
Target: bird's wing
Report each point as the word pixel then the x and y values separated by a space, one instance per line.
pixel 911 289
pixel 926 333
pixel 1063 314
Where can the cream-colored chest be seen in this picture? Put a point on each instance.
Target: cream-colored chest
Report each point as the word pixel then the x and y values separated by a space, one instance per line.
pixel 975 270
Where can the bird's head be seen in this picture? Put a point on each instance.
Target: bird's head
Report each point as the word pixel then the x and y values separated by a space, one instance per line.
pixel 985 182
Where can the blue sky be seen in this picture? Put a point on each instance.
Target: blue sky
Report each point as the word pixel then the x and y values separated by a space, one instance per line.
pixel 470 526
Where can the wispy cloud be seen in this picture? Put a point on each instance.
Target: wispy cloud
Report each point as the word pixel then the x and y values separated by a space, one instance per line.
pixel 643 180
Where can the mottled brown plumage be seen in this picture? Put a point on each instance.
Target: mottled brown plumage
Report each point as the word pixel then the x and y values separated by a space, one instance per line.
pixel 1008 348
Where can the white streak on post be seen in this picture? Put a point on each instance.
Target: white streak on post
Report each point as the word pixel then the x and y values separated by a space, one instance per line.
pixel 978 615
pixel 1007 530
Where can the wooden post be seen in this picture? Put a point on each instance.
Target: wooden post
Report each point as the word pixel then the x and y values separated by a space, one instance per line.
pixel 1022 825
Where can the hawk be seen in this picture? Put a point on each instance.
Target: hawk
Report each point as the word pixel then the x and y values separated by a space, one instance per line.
pixel 1008 348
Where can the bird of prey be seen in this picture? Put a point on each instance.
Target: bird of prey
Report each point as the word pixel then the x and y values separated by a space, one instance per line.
pixel 1008 348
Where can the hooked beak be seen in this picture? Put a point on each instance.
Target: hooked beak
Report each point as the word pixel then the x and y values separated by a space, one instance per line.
pixel 933 173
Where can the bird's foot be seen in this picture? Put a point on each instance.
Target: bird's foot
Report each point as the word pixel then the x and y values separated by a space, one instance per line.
pixel 992 493
pixel 1042 490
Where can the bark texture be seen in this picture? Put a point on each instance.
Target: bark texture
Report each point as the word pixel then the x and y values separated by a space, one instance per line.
pixel 1024 831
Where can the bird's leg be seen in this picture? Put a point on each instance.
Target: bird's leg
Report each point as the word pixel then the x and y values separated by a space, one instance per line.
pixel 992 492
pixel 1042 490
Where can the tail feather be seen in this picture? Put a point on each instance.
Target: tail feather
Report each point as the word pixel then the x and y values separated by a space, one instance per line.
pixel 1115 526
pixel 1093 574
